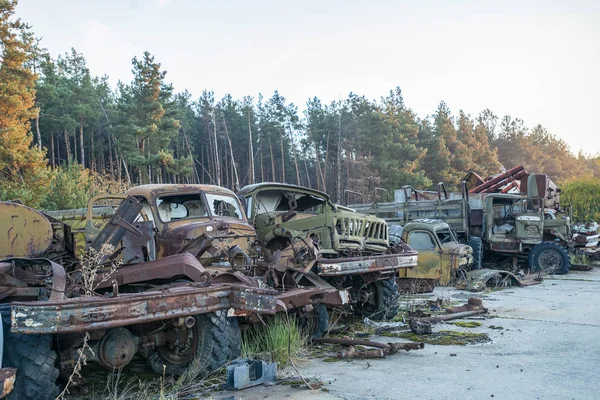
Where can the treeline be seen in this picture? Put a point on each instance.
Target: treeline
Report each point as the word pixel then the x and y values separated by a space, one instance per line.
pixel 144 131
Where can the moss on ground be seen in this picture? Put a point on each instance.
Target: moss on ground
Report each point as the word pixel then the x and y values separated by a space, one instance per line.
pixel 447 338
pixel 466 324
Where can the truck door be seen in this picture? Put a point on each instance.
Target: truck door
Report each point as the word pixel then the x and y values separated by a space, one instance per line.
pixel 429 261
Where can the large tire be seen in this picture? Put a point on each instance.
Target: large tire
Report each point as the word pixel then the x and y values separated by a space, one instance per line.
pixel 214 340
pixel 315 323
pixel 384 305
pixel 549 257
pixel 477 246
pixel 35 361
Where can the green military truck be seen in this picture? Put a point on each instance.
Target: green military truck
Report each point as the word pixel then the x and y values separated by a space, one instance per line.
pixel 354 248
pixel 510 231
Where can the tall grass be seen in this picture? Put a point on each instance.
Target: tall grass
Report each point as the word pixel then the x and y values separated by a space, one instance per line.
pixel 279 340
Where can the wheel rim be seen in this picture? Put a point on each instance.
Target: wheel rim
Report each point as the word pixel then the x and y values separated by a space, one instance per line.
pixel 550 261
pixel 183 345
pixel 370 306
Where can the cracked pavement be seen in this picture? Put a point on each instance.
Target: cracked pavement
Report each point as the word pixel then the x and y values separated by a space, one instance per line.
pixel 549 349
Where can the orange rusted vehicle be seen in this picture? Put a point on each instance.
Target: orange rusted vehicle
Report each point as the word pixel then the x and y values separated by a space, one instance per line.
pixel 169 272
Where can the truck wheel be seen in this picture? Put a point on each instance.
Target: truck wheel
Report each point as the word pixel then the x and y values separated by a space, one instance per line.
pixel 35 361
pixel 383 301
pixel 476 245
pixel 214 340
pixel 550 258
pixel 315 323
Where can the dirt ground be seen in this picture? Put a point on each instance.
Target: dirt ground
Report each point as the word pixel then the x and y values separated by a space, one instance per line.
pixel 548 348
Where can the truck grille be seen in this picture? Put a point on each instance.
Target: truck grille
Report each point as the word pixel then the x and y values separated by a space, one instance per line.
pixel 365 231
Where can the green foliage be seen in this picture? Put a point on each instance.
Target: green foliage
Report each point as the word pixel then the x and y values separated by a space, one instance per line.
pixel 281 340
pixel 69 188
pixel 143 132
pixel 583 195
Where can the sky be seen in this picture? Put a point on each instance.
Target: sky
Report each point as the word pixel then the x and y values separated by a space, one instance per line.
pixel 534 60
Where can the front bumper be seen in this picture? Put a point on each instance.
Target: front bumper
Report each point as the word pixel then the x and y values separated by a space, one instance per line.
pixel 90 313
pixel 362 265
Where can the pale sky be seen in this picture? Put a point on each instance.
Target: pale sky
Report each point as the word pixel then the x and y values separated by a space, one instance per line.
pixel 535 60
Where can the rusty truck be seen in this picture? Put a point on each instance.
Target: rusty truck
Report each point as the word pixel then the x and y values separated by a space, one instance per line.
pixel 354 248
pixel 158 271
pixel 526 229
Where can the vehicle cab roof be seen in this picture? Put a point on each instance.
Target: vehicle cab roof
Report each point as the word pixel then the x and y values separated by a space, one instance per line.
pixel 426 224
pixel 153 190
pixel 264 186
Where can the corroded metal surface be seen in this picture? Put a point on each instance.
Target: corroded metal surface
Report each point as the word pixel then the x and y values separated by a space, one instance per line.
pixel 7 377
pixel 180 265
pixel 359 265
pixel 25 232
pixel 480 279
pixel 90 313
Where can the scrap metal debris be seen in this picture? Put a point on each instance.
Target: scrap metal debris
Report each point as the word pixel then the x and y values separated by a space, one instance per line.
pixel 480 279
pixel 381 349
pixel 423 325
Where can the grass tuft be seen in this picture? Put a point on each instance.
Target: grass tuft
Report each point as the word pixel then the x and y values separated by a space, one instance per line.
pixel 447 338
pixel 466 324
pixel 280 340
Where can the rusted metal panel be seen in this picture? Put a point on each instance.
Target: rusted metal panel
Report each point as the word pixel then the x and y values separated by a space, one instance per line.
pixel 184 265
pixel 359 265
pixel 25 232
pixel 120 223
pixel 91 313
pixel 7 380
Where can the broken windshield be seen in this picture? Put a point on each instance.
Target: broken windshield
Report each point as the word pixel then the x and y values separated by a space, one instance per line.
pixel 188 206
pixel 445 235
pixel 271 201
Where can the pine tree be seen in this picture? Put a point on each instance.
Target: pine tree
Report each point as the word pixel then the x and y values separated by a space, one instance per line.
pixel 23 172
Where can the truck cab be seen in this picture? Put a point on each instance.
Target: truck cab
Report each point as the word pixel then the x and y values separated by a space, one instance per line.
pixel 440 255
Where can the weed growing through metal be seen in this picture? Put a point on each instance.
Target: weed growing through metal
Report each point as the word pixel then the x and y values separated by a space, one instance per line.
pixel 90 265
pixel 280 340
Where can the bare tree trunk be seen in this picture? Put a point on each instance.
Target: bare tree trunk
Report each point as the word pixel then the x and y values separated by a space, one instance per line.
pixel 338 181
pixel 52 149
pixel 67 146
pixel 319 169
pixel 236 182
pixel 202 163
pixel 282 156
pixel 326 161
pixel 252 178
pixel 57 147
pixel 37 129
pixel 93 159
pixel 272 160
pixel 81 142
pixel 295 162
pixel 217 166
pixel 307 174
pixel 75 147
pixel 196 177
pixel 317 166
pixel 262 169
pixel 110 157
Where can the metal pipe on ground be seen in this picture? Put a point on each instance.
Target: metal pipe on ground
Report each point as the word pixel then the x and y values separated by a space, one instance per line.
pixel 423 325
pixel 383 349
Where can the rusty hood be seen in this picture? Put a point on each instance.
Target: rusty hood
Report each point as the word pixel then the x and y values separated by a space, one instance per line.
pixel 206 238
pixel 457 249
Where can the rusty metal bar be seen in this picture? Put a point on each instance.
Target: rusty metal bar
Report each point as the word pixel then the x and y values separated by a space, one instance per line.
pixel 380 263
pixel 391 347
pixel 499 178
pixel 448 317
pixel 90 313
